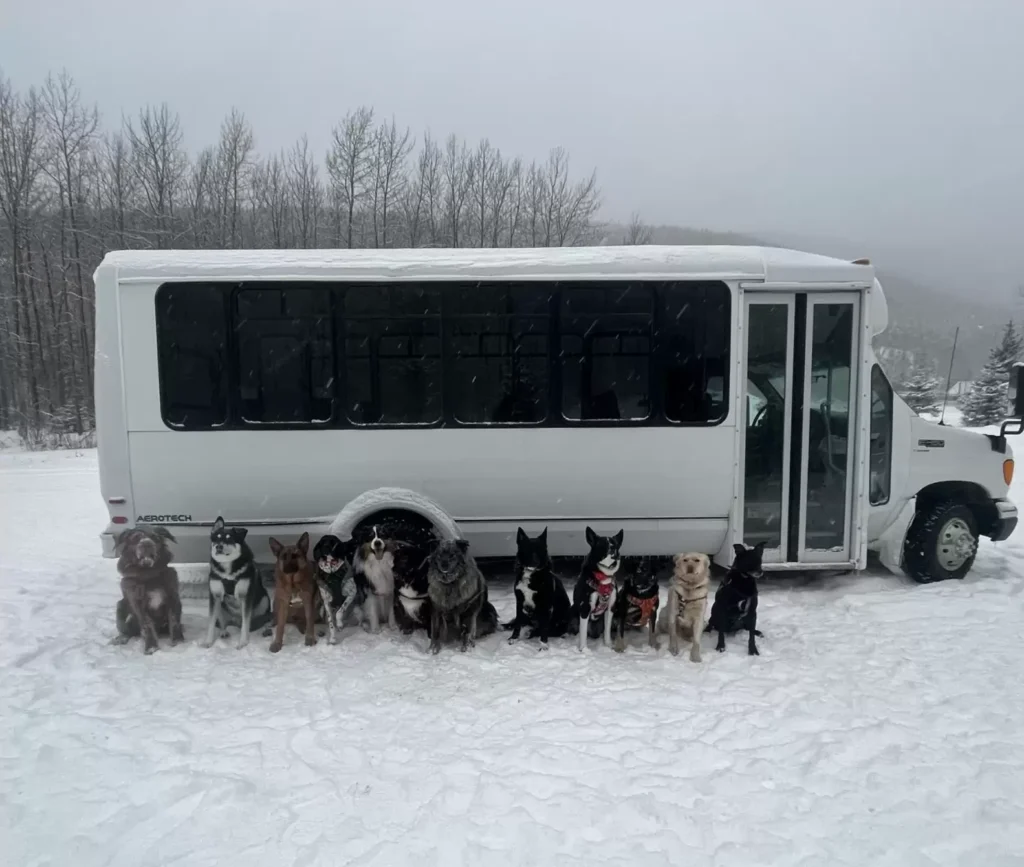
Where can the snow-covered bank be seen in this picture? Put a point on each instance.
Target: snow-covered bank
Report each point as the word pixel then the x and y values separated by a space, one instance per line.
pixel 879 726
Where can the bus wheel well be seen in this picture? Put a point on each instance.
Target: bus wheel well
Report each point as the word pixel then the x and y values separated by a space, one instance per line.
pixel 970 494
pixel 408 512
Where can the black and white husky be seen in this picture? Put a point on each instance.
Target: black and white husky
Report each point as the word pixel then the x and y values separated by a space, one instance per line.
pixel 374 560
pixel 341 592
pixel 237 595
pixel 593 597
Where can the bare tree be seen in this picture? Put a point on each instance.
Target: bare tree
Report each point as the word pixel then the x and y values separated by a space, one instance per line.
pixel 349 166
pixel 390 151
pixel 232 165
pixel 160 164
pixel 458 168
pixel 305 193
pixel 637 231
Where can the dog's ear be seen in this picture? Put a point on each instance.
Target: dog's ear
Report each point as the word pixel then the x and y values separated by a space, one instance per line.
pixel 275 546
pixel 591 537
pixel 618 537
pixel 219 523
pixel 739 549
pixel 462 545
pixel 164 533
pixel 543 537
pixel 120 540
pixel 303 544
pixel 521 537
pixel 242 533
pixel 759 547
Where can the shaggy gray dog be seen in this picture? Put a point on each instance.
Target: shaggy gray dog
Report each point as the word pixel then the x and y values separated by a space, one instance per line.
pixel 458 595
pixel 150 603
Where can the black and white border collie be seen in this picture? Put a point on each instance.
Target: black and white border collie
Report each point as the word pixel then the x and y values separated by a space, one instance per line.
pixel 237 595
pixel 594 595
pixel 374 561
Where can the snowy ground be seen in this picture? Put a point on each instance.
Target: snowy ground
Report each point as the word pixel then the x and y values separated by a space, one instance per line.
pixel 881 725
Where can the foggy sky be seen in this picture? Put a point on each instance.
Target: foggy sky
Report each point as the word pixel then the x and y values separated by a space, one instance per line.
pixel 890 123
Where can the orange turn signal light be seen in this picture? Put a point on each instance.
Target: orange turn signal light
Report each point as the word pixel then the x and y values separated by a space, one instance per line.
pixel 1008 470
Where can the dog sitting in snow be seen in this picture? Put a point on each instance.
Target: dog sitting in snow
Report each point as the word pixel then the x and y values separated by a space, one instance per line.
pixel 541 600
pixel 342 593
pixel 735 606
pixel 593 597
pixel 458 596
pixel 237 595
pixel 150 603
pixel 374 562
pixel 636 605
pixel 412 587
pixel 683 616
pixel 294 591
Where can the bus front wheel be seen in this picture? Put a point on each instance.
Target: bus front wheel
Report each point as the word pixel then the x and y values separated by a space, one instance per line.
pixel 941 543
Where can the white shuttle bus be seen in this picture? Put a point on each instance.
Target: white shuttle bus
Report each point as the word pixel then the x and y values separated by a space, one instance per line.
pixel 693 396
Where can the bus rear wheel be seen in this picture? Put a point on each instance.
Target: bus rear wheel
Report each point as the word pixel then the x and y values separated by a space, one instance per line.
pixel 941 543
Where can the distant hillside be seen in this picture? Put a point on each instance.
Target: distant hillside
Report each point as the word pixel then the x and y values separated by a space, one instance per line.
pixel 922 319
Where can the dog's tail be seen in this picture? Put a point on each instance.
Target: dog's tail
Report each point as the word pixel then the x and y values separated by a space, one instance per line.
pixel 487 620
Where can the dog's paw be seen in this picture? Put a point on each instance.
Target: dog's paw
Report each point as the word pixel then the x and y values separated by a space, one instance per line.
pixel 620 646
pixel 435 648
pixel 333 639
pixel 673 650
pixel 120 639
pixel 310 640
pixel 225 634
pixel 206 645
pixel 513 640
pixel 753 651
pixel 543 646
pixel 150 649
pixel 721 649
pixel 320 633
pixel 695 657
pixel 275 646
pixel 267 632
pixel 242 644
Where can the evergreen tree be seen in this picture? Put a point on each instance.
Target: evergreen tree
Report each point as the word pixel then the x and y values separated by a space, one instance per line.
pixel 921 390
pixel 988 402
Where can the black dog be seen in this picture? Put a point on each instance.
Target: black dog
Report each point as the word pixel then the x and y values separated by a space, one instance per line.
pixel 735 605
pixel 541 600
pixel 637 605
pixel 237 594
pixel 593 597
pixel 413 608
pixel 341 589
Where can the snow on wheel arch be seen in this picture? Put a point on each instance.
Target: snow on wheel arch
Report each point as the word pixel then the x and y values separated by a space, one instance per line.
pixel 379 499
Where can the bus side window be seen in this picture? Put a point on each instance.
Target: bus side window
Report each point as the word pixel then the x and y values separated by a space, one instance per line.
pixel 192 340
pixel 881 437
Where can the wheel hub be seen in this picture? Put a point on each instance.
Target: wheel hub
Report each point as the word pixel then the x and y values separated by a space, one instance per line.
pixel 956 544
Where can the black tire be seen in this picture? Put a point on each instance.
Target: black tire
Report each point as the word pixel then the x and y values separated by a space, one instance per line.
pixel 926 557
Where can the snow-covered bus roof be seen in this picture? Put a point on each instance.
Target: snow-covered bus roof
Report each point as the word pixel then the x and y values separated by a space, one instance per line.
pixel 772 266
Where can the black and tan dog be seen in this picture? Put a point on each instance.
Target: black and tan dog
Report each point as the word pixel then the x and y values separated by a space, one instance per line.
pixel 237 595
pixel 541 600
pixel 458 595
pixel 294 591
pixel 735 607
pixel 636 606
pixel 150 603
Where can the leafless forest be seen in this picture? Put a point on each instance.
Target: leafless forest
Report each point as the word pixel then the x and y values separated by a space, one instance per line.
pixel 73 186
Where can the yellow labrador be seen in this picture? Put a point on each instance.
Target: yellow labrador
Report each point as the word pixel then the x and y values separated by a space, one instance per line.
pixel 687 603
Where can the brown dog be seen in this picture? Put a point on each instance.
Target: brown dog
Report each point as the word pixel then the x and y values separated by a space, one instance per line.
pixel 150 602
pixel 294 584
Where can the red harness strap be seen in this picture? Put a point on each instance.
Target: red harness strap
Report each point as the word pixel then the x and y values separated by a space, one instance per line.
pixel 603 584
pixel 646 608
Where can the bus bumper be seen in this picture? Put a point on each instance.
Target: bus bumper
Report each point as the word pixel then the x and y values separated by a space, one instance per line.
pixel 1006 520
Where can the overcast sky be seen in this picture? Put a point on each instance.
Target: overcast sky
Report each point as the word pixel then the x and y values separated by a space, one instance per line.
pixel 886 122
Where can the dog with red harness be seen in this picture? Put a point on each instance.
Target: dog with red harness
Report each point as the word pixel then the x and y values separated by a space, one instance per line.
pixel 593 597
pixel 637 604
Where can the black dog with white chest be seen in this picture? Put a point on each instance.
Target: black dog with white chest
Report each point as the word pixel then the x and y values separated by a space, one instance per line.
pixel 541 600
pixel 341 589
pixel 735 606
pixel 593 597
pixel 237 594
pixel 413 608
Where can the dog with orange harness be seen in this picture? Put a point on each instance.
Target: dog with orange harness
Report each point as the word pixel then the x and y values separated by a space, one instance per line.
pixel 637 605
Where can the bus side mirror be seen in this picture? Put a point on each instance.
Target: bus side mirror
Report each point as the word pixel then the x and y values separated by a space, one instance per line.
pixel 1017 389
pixel 1015 424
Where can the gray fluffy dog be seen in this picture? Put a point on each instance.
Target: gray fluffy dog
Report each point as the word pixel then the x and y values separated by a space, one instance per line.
pixel 458 595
